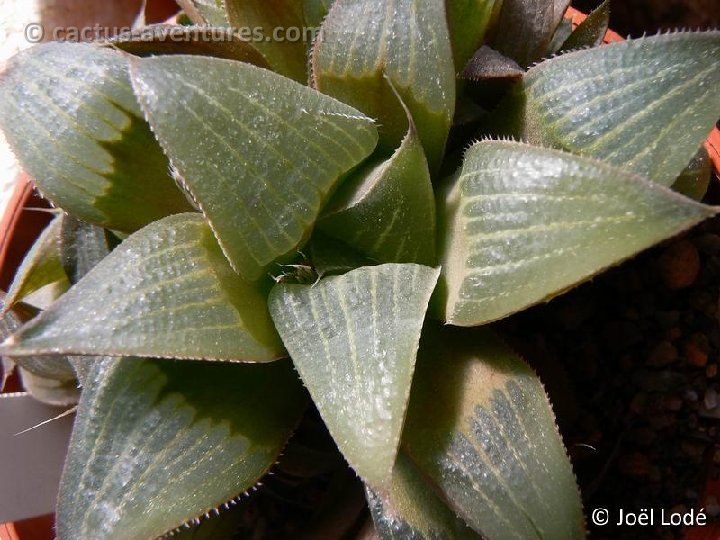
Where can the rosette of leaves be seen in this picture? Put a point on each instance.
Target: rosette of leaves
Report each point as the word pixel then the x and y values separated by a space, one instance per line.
pixel 248 236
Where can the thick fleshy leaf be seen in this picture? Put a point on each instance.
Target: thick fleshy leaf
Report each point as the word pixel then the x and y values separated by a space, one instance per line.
pixel 41 266
pixel 488 64
pixel 330 256
pixel 316 11
pixel 220 42
pixel 353 339
pixel 257 151
pixel 158 443
pixel 387 210
pixel 525 223
pixel 592 30
pixel 50 379
pixel 285 52
pixel 532 24
pixel 205 12
pixel 695 179
pixel 645 105
pixel 368 49
pixel 480 427
pixel 7 368
pixel 48 390
pixel 82 247
pixel 166 291
pixel 469 21
pixel 68 111
pixel 562 33
pixel 413 510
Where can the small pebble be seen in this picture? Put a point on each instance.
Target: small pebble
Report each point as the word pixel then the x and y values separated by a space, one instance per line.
pixel 711 399
pixel 664 353
pixel 635 464
pixel 694 355
pixel 673 403
pixel 679 265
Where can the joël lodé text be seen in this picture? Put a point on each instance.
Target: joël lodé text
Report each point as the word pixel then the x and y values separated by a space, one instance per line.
pixel 651 516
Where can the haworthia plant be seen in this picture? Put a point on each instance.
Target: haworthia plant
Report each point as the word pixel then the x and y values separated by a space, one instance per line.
pixel 230 203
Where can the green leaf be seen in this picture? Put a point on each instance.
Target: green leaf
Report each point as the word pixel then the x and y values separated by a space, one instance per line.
pixel 330 256
pixel 592 30
pixel 316 11
pixel 368 48
pixel 469 22
pixel 259 152
pixel 523 224
pixel 158 443
pixel 353 339
pixel 56 392
pixel 480 427
pixel 695 179
pixel 40 267
pixel 488 64
pixel 386 210
pixel 627 103
pixel 205 12
pixel 166 291
pixel 50 379
pixel 218 526
pixel 7 367
pixel 277 22
pixel 82 247
pixel 412 510
pixel 533 23
pixel 68 111
pixel 220 42
pixel 562 33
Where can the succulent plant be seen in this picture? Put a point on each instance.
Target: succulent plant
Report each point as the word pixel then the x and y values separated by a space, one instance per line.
pixel 252 230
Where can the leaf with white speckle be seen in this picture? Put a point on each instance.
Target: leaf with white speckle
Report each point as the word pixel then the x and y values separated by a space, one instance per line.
pixel 480 428
pixel 367 49
pixel 387 210
pixel 353 339
pixel 167 291
pixel 259 152
pixel 644 104
pixel 70 116
pixel 158 443
pixel 412 510
pixel 522 224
